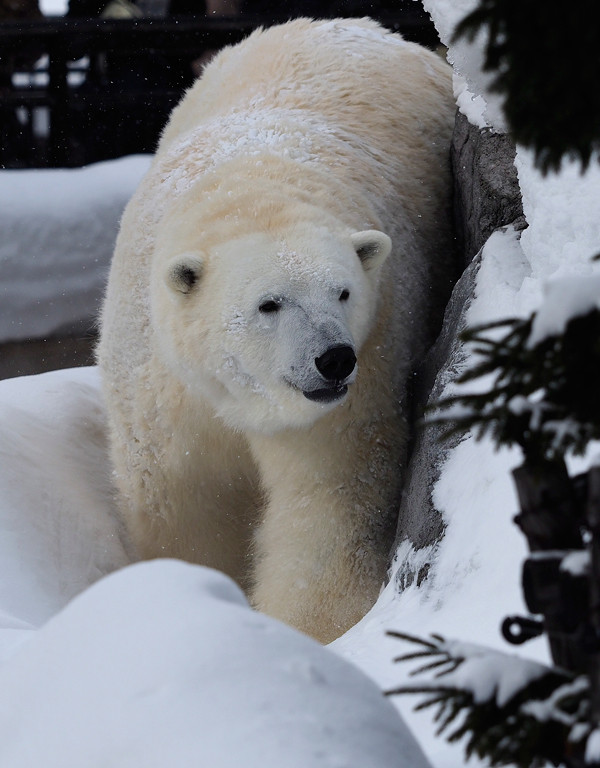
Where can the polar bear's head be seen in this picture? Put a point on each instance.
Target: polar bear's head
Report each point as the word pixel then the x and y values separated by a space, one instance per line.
pixel 269 327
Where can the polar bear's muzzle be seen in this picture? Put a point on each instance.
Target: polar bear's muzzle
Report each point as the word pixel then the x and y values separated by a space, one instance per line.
pixel 335 366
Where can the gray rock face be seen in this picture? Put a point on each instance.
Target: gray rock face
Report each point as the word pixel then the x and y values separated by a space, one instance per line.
pixel 487 197
pixel 419 522
pixel 486 187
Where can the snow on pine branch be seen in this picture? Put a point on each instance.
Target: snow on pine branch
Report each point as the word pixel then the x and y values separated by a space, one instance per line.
pixel 507 709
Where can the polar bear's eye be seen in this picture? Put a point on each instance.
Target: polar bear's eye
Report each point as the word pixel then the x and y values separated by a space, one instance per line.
pixel 269 306
pixel 345 295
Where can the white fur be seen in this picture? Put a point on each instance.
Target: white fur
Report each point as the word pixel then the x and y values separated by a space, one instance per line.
pixel 274 183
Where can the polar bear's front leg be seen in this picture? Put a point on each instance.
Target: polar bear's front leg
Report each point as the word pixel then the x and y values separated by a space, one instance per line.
pixel 187 486
pixel 323 546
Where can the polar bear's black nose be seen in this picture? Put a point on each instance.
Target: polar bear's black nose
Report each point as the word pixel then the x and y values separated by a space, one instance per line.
pixel 337 363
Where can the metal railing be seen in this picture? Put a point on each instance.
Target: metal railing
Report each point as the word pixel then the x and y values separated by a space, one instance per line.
pixel 78 91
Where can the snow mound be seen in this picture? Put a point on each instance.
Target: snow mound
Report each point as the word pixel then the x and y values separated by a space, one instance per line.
pixel 164 664
pixel 58 530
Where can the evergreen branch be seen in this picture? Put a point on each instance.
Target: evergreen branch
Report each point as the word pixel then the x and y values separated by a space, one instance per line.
pixel 445 662
pixel 413 656
pixel 433 643
pixel 544 396
pixel 533 724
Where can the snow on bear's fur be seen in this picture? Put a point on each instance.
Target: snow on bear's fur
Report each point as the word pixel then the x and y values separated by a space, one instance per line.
pixel 273 285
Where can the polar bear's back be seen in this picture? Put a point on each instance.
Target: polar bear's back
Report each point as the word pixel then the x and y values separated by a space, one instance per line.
pixel 352 72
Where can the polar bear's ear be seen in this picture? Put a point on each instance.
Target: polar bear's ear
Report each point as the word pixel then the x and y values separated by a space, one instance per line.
pixel 372 247
pixel 183 272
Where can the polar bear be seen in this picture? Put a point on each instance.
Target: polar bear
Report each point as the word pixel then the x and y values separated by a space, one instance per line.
pixel 276 278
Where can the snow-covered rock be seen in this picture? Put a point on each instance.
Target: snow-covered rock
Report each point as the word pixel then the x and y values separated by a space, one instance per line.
pixel 486 187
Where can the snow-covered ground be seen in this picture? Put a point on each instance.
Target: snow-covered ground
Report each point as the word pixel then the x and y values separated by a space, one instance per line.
pixel 163 664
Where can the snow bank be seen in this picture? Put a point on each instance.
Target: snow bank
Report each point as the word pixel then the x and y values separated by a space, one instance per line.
pixel 164 664
pixel 58 233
